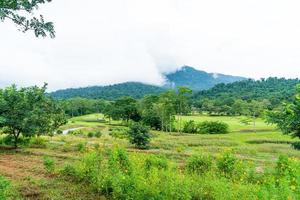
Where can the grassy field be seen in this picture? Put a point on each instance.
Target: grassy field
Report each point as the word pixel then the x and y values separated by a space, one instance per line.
pixel 25 169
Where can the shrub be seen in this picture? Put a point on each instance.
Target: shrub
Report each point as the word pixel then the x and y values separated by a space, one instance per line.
pixel 81 146
pixel 156 162
pixel 38 142
pixel 76 132
pixel 120 133
pixel 190 127
pixel 227 164
pixel 90 134
pixel 296 145
pixel 4 186
pixel 213 127
pixel 48 164
pixel 139 135
pixel 98 134
pixel 59 132
pixel 199 164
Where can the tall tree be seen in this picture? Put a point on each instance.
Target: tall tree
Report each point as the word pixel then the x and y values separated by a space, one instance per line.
pixel 183 95
pixel 18 12
pixel 28 111
pixel 287 118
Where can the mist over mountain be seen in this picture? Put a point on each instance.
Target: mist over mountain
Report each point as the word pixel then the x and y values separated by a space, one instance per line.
pixel 197 79
pixel 186 76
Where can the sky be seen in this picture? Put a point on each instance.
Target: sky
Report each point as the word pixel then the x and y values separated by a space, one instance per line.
pixel 101 42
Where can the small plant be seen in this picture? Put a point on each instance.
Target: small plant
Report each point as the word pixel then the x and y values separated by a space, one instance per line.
pixel 4 186
pixel 120 133
pixel 59 132
pixel 38 142
pixel 213 127
pixel 90 134
pixel 190 127
pixel 81 146
pixel 199 164
pixel 139 135
pixel 296 145
pixel 227 164
pixel 98 134
pixel 49 164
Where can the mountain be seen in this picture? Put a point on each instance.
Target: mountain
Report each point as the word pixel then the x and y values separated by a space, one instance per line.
pixel 111 92
pixel 187 76
pixel 274 89
pixel 197 79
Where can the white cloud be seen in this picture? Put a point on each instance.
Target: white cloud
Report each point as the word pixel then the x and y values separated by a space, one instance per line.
pixel 104 42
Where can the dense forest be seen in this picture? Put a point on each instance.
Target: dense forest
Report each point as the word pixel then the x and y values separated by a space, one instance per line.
pixel 111 92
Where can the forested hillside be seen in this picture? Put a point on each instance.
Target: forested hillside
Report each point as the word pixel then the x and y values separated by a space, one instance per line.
pixel 111 92
pixel 228 98
pixel 197 79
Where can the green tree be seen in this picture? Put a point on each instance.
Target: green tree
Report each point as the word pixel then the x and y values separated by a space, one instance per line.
pixel 28 111
pixel 287 118
pixel 125 108
pixel 139 135
pixel 18 12
pixel 183 107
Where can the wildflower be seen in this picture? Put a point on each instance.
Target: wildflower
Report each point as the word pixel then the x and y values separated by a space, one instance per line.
pixel 293 187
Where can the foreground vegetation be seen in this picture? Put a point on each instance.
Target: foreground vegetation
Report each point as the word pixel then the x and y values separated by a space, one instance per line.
pixel 242 164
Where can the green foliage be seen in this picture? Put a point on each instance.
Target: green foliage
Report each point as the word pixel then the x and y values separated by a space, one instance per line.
pixel 227 164
pixel 140 176
pixel 49 164
pixel 119 132
pixel 4 187
pixel 199 164
pixel 91 134
pixel 139 135
pixel 28 112
pixel 77 132
pixel 10 9
pixel 213 127
pixel 38 142
pixel 112 92
pixel 288 117
pixel 190 127
pixel 270 92
pixel 296 145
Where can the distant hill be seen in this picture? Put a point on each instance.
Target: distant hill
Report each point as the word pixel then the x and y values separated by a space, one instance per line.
pixel 111 92
pixel 275 90
pixel 197 79
pixel 186 76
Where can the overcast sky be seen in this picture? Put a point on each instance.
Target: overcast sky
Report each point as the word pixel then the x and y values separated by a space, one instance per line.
pixel 110 41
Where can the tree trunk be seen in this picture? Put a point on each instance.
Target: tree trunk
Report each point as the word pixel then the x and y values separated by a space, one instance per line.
pixel 16 137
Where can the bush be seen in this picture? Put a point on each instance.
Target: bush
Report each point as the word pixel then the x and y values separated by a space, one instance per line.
pixel 199 164
pixel 4 186
pixel 120 133
pixel 98 134
pixel 38 142
pixel 190 127
pixel 59 132
pixel 76 132
pixel 139 135
pixel 296 145
pixel 213 127
pixel 48 164
pixel 90 134
pixel 227 164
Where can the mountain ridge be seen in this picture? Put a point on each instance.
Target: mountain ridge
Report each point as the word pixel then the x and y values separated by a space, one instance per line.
pixel 196 80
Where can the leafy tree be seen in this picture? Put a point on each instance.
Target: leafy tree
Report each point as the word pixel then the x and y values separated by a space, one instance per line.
pixel 182 103
pixel 125 108
pixel 28 111
pixel 18 10
pixel 139 135
pixel 287 118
